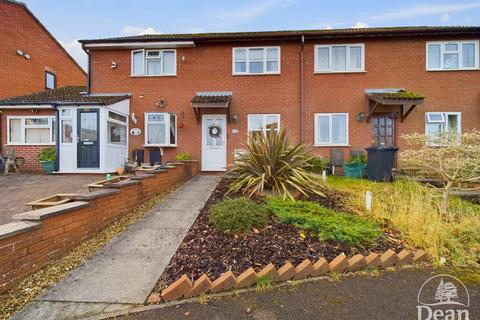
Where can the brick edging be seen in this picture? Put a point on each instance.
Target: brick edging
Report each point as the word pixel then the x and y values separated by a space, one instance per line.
pixel 185 288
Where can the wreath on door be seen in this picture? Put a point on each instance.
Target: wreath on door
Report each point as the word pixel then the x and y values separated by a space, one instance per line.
pixel 214 131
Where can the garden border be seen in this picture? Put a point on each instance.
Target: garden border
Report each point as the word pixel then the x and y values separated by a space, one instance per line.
pixel 185 288
pixel 41 236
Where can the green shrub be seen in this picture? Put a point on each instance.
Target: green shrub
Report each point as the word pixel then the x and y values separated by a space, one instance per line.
pixel 325 223
pixel 360 158
pixel 237 215
pixel 47 154
pixel 272 163
pixel 318 164
pixel 182 156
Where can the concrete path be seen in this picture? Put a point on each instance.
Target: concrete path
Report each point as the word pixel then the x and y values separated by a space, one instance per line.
pixel 125 271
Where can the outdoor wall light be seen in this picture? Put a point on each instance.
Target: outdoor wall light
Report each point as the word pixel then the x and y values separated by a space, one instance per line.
pixel 134 118
pixel 361 116
pixel 235 118
pixel 114 65
pixel 19 52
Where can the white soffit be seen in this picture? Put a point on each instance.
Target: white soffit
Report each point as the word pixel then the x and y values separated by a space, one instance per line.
pixel 141 45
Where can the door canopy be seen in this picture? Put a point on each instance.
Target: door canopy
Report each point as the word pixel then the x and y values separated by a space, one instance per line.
pixel 211 100
pixel 392 100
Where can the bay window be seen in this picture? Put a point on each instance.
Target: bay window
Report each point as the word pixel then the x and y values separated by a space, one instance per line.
pixel 160 129
pixel 452 55
pixel 32 130
pixel 331 129
pixel 154 62
pixel 256 60
pixel 340 58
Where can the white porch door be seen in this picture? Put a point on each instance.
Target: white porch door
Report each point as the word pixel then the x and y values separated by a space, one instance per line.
pixel 214 149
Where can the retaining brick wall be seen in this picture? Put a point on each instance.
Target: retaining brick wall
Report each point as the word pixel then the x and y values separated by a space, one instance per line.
pixel 44 235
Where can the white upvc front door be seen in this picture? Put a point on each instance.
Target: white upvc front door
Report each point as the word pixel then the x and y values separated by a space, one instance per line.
pixel 214 143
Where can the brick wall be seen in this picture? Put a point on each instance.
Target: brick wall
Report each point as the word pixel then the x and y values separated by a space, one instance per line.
pixel 29 152
pixel 44 235
pixel 20 30
pixel 390 62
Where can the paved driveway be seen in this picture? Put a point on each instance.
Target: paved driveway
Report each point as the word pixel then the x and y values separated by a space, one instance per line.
pixel 16 190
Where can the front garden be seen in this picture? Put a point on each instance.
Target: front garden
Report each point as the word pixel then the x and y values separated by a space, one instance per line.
pixel 274 206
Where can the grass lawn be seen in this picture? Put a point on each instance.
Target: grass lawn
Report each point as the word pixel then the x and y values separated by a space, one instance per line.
pixel 413 210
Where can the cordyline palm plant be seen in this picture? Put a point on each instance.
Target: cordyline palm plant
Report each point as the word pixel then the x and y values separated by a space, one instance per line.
pixel 272 163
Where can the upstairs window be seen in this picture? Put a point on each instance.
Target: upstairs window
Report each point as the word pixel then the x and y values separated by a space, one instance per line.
pixel 154 63
pixel 340 58
pixel 452 55
pixel 256 60
pixel 160 129
pixel 50 80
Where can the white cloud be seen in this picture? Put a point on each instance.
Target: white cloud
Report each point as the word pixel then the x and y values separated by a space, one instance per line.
pixel 360 25
pixel 328 27
pixel 247 13
pixel 135 30
pixel 74 48
pixel 424 10
pixel 445 17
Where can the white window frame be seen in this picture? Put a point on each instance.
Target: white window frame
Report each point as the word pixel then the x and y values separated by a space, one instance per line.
pixel 144 55
pixel 247 61
pixel 122 123
pixel 167 129
pixel 264 120
pixel 60 126
pixel 23 127
pixel 460 55
pixel 330 142
pixel 347 58
pixel 445 120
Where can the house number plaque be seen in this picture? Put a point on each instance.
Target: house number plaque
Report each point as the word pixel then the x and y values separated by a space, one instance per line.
pixel 135 131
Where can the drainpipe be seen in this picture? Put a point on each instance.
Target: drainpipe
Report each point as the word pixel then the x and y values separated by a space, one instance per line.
pixel 57 136
pixel 302 90
pixel 89 70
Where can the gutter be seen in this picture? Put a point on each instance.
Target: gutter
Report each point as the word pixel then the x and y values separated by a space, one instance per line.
pixel 302 89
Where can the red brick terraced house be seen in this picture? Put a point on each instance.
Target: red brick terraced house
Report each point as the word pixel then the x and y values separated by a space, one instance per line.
pixel 31 60
pixel 337 90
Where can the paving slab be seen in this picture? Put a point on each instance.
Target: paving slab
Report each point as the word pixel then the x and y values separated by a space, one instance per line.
pixel 126 270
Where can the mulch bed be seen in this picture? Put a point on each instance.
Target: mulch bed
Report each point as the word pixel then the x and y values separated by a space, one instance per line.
pixel 205 250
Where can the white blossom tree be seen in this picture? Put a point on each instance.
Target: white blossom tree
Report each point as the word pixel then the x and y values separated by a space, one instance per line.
pixel 455 158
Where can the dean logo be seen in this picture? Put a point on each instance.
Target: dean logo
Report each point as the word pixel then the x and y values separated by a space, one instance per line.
pixel 443 297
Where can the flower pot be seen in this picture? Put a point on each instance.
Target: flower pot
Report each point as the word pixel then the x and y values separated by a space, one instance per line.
pixel 48 166
pixel 354 169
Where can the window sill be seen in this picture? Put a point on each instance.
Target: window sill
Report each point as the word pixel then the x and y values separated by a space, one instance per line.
pixel 30 144
pixel 152 76
pixel 331 145
pixel 334 72
pixel 440 70
pixel 257 74
pixel 159 145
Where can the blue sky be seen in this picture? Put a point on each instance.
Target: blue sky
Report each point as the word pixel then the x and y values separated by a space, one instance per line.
pixel 71 20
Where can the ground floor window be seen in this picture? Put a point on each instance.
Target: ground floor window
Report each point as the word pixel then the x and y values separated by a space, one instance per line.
pixel 117 128
pixel 31 130
pixel 442 122
pixel 160 129
pixel 331 129
pixel 263 123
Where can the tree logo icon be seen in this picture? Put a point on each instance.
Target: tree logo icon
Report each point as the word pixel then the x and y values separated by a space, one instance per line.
pixel 444 297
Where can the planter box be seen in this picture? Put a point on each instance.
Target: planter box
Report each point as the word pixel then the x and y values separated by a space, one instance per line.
pixel 354 170
pixel 48 166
